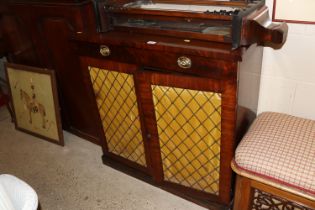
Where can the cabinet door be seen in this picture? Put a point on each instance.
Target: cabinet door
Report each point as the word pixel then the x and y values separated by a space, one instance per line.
pixel 185 123
pixel 118 109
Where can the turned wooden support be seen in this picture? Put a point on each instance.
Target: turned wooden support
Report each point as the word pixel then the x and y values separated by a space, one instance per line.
pixel 264 32
pixel 274 35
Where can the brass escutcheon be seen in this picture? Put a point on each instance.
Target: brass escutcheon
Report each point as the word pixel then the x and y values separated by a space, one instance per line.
pixel 184 62
pixel 104 50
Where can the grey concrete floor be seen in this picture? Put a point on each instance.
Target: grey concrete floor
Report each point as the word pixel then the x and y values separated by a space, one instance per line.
pixel 73 176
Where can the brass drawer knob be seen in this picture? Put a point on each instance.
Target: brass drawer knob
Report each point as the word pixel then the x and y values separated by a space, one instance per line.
pixel 104 50
pixel 184 62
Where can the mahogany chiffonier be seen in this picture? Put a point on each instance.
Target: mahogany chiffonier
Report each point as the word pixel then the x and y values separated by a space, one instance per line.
pixel 167 87
pixel 171 90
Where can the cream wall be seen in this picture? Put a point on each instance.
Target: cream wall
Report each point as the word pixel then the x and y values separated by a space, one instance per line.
pixel 288 75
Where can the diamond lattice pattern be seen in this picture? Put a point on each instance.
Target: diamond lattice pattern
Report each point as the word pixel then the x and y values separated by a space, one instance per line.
pixel 117 103
pixel 189 128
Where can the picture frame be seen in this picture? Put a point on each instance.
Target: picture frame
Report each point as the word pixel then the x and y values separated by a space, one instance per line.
pixel 33 93
pixel 294 11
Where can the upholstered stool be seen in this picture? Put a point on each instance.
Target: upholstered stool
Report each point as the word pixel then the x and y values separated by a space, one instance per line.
pixel 275 164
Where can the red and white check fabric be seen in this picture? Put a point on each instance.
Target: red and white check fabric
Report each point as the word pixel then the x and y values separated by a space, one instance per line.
pixel 280 147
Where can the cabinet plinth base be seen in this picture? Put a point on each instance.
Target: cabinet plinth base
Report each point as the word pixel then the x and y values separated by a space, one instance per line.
pixel 109 161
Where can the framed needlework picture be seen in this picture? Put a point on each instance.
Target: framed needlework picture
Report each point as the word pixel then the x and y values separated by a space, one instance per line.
pixel 294 11
pixel 35 101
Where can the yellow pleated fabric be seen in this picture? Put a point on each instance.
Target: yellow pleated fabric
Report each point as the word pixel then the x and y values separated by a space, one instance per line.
pixel 189 128
pixel 117 104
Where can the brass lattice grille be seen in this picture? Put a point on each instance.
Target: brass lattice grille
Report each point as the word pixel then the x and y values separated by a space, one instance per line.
pixel 263 200
pixel 189 128
pixel 117 103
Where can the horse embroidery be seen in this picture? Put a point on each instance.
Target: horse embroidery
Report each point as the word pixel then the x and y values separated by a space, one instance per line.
pixel 33 106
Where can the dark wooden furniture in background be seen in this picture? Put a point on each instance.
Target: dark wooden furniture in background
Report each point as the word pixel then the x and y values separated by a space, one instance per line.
pixel 159 90
pixel 4 98
pixel 2 46
pixel 36 33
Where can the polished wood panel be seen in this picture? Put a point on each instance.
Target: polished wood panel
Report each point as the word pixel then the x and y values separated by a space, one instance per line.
pixel 165 60
pixel 16 36
pixel 215 50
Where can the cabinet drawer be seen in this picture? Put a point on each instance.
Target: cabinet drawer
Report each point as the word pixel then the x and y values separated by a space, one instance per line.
pixel 160 60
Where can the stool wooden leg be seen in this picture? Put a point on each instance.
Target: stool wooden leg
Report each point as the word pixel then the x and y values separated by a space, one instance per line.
pixel 242 196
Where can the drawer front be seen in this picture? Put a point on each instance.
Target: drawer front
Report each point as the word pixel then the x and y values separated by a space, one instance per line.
pixel 159 60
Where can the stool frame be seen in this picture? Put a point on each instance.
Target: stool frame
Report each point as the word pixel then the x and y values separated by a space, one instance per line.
pixel 251 195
